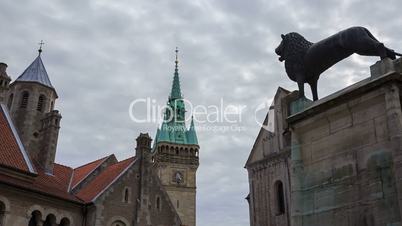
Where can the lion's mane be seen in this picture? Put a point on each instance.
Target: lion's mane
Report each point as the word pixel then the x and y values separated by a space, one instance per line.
pixel 294 49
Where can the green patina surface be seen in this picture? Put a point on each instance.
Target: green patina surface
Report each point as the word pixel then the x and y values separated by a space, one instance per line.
pixel 299 105
pixel 173 128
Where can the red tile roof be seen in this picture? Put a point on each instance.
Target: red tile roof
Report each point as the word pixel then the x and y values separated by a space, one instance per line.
pixel 12 153
pixel 54 185
pixel 104 180
pixel 13 156
pixel 80 173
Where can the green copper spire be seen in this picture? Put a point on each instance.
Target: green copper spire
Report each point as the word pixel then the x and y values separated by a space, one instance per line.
pixel 173 128
pixel 176 92
pixel 191 134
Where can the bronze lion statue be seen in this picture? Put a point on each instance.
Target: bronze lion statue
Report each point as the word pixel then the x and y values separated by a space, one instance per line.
pixel 305 61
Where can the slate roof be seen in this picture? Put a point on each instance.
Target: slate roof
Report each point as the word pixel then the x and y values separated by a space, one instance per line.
pixel 105 179
pixel 36 72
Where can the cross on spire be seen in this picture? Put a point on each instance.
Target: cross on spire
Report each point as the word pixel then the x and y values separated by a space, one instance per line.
pixel 41 43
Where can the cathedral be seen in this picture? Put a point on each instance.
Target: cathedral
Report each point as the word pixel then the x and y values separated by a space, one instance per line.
pixel 154 187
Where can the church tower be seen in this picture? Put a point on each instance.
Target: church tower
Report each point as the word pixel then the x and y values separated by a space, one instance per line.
pixel 176 155
pixel 31 100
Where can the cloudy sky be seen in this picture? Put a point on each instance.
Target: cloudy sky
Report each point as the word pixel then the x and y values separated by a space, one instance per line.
pixel 101 55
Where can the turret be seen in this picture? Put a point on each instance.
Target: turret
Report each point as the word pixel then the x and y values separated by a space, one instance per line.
pixel 143 148
pixel 49 134
pixel 4 83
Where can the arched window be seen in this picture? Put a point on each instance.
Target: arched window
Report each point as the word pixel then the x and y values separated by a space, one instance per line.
pixel 36 216
pixel 41 103
pixel 24 99
pixel 280 198
pixel 50 220
pixel 118 223
pixel 158 203
pixel 2 213
pixel 126 195
pixel 65 222
pixel 10 101
pixel 51 105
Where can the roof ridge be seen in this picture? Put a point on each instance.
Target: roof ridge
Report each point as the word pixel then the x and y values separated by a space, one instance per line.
pixel 103 158
pixel 124 160
pixel 101 161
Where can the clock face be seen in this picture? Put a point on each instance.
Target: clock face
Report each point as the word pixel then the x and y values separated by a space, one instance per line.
pixel 178 177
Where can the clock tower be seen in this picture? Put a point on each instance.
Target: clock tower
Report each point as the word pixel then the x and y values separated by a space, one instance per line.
pixel 175 153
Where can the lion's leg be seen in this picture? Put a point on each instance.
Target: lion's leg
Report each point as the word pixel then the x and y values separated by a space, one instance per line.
pixel 369 47
pixel 313 85
pixel 301 89
pixel 391 53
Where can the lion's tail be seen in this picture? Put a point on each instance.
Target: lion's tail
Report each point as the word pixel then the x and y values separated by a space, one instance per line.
pixel 398 54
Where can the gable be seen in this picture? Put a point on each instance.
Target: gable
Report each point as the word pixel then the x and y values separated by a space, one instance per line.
pixel 104 180
pixel 270 134
pixel 83 174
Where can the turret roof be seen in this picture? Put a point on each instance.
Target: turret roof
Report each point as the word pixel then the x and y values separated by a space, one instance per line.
pixel 36 72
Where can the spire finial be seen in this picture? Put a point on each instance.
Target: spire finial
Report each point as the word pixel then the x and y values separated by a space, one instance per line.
pixel 41 43
pixel 177 60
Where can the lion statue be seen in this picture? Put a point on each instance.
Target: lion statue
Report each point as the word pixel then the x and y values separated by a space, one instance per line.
pixel 305 61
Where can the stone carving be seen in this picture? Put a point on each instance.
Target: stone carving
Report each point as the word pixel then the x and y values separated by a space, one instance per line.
pixel 305 61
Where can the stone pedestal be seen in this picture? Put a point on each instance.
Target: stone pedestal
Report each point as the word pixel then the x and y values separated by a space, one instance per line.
pixel 299 105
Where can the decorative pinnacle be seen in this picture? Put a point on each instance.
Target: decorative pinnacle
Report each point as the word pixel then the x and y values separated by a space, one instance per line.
pixel 41 43
pixel 177 61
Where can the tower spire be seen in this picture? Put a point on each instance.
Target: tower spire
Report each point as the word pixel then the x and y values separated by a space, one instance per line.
pixel 41 43
pixel 176 91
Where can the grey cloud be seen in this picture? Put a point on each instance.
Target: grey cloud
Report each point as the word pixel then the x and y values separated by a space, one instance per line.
pixel 101 55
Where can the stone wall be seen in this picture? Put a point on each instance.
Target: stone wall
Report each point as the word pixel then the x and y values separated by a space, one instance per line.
pixel 20 204
pixel 263 196
pixel 342 161
pixel 112 206
pixel 269 164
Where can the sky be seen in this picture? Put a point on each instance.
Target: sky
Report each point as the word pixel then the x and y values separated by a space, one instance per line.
pixel 102 55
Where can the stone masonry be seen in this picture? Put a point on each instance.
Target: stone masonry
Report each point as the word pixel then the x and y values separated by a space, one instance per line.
pixel 345 162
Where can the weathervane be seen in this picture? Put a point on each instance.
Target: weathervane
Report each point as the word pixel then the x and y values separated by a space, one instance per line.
pixel 41 43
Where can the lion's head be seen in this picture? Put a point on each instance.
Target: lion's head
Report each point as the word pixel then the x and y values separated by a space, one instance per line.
pixel 292 49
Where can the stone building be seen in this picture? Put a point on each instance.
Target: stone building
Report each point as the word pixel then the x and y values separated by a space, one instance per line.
pixel 336 161
pixel 154 187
